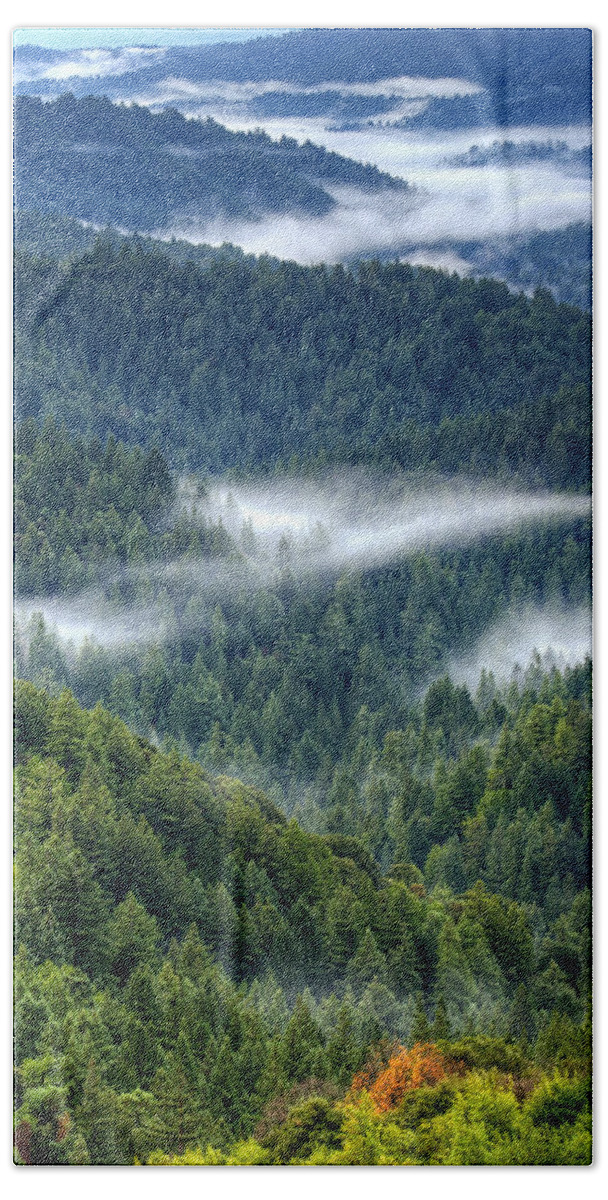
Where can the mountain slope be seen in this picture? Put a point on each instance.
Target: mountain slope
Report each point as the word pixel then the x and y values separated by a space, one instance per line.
pixel 125 166
pixel 249 362
pixel 132 1036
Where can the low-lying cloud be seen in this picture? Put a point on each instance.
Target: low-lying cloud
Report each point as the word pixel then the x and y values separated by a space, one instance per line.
pixel 359 221
pixel 441 259
pixel 88 64
pixel 446 202
pixel 315 530
pixel 223 98
pixel 89 616
pixel 358 520
pixel 443 204
pixel 560 635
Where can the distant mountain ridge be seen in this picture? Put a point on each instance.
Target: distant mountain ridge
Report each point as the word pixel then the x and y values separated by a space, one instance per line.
pixel 532 76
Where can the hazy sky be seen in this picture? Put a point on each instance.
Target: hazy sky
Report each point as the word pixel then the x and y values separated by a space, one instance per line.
pixel 73 37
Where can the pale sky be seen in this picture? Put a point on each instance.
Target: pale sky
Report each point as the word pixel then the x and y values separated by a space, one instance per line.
pixel 89 37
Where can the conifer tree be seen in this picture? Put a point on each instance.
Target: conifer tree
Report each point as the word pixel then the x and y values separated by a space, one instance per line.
pixel 420 1031
pixel 441 1028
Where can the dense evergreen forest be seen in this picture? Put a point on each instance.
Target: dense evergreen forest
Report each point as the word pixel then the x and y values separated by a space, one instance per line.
pixel 512 153
pixel 419 924
pixel 201 981
pixel 558 261
pixel 285 676
pixel 253 362
pixel 55 236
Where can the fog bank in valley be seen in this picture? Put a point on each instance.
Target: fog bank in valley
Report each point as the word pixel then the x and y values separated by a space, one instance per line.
pixel 561 636
pixel 357 520
pixel 446 203
pixel 351 520
pixel 234 102
pixel 370 122
pixel 90 615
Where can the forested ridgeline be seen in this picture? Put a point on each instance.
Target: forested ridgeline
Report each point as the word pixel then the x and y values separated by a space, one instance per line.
pixel 253 362
pixel 303 858
pixel 124 165
pixel 559 259
pixel 406 780
pixel 201 980
pixel 57 237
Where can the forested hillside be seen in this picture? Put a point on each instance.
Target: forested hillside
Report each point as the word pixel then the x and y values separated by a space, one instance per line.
pixel 202 979
pixel 290 676
pixel 559 260
pixel 57 237
pixel 123 165
pixel 196 971
pixel 253 362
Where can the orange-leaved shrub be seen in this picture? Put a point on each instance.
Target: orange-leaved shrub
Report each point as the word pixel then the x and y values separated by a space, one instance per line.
pixel 405 1071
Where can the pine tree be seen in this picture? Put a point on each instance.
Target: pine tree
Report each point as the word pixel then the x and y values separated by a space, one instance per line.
pixel 421 1030
pixel 520 1024
pixel 133 938
pixel 301 1044
pixel 181 1112
pixel 344 1052
pixel 368 962
pixel 96 1118
pixel 441 1029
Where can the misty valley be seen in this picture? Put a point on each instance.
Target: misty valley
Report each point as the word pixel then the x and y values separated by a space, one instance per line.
pixel 357 649
pixel 302 615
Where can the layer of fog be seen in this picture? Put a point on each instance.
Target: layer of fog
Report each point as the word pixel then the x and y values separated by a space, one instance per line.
pixel 401 151
pixel 453 203
pixel 360 520
pixel 360 221
pixel 228 101
pixel 227 98
pixel 552 636
pixel 87 64
pixel 441 258
pixel 352 521
pixel 90 616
